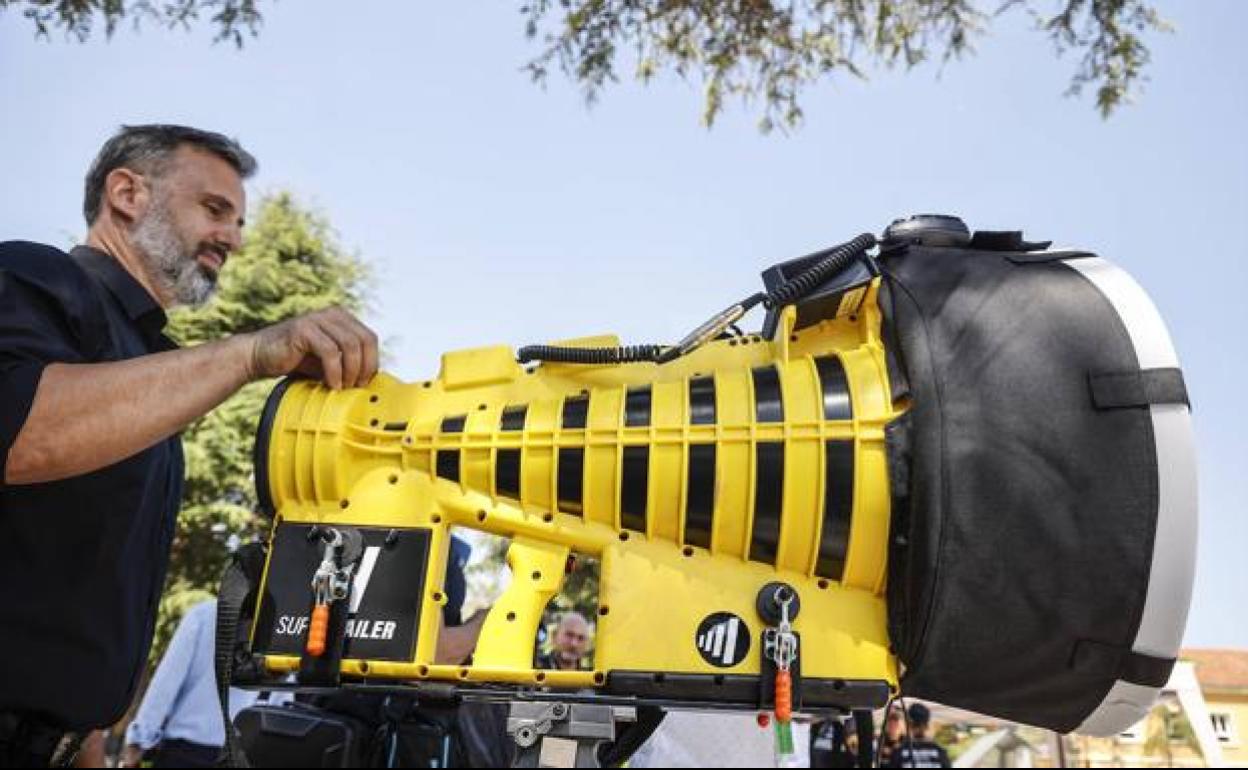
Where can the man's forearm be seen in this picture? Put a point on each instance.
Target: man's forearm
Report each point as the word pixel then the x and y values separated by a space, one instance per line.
pixel 88 416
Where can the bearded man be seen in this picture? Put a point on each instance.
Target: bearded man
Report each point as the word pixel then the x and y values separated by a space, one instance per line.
pixel 92 400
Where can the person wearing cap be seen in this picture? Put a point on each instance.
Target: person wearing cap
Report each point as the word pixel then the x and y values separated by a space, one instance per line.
pixel 917 749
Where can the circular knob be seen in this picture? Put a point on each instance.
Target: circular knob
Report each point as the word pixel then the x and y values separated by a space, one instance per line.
pixel 928 230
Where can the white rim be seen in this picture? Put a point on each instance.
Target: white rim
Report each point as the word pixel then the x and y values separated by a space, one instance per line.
pixel 1174 549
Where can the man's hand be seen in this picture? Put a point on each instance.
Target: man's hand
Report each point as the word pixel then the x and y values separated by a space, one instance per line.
pixel 331 345
pixel 88 416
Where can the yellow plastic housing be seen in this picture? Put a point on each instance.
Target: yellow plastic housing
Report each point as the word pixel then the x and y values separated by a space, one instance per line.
pixel 675 546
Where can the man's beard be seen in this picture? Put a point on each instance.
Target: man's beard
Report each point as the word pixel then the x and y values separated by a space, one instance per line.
pixel 168 260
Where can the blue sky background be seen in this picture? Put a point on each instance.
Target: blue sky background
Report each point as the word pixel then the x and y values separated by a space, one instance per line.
pixel 493 210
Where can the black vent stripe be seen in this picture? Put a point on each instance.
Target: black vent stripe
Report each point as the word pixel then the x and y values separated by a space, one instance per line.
pixel 448 464
pixel 507 473
pixel 637 407
pixel 634 487
pixel 571 475
pixel 513 417
pixel 454 424
pixel 768 500
pixel 838 509
pixel 700 501
pixel 702 401
pixel 837 404
pixel 575 411
pixel 768 406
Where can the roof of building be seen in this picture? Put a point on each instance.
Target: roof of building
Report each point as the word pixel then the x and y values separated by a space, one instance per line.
pixel 1220 670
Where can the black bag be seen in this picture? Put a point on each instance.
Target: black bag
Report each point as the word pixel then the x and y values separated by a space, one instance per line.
pixel 1043 486
pixel 299 735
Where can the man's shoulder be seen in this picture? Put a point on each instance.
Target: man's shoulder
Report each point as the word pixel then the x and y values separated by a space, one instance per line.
pixel 36 257
pixel 44 267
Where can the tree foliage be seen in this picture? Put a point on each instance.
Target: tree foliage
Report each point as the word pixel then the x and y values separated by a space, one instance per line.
pixel 767 51
pixel 231 18
pixel 289 265
pixel 762 51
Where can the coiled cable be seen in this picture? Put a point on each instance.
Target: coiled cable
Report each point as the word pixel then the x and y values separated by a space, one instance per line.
pixel 628 354
pixel 831 262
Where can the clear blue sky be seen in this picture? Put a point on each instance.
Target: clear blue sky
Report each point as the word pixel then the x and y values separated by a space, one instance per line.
pixel 496 211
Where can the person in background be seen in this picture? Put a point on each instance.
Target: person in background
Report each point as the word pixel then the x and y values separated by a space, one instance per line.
pixel 829 742
pixel 918 750
pixel 851 740
pixel 179 722
pixel 571 641
pixel 894 732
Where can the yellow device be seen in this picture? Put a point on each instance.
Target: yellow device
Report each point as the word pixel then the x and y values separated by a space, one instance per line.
pixel 697 483
pixel 963 426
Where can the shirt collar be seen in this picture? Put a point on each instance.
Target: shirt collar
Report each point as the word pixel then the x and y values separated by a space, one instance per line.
pixel 134 299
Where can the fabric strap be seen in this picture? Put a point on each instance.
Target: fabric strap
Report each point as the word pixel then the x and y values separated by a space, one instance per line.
pixel 1114 662
pixel 1119 390
pixel 236 585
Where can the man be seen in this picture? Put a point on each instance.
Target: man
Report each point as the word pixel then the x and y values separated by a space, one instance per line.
pixel 830 740
pixel 179 721
pixel 92 397
pixel 571 639
pixel 918 750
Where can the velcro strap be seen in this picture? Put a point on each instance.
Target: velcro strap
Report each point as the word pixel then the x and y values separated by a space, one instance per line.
pixel 1110 661
pixel 1005 240
pixel 1120 390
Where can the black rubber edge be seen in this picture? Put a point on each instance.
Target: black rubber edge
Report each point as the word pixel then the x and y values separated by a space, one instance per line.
pixel 260 449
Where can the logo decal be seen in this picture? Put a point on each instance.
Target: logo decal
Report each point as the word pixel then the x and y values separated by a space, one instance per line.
pixel 723 639
pixel 360 585
pixel 382 611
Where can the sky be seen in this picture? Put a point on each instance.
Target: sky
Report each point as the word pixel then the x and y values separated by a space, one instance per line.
pixel 494 210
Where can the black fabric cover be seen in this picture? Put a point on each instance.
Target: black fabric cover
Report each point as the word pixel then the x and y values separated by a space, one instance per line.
pixel 1023 516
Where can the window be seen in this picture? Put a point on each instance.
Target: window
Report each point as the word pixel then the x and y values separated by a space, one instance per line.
pixel 1223 726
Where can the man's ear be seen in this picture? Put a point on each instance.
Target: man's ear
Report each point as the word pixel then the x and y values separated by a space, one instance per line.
pixel 126 193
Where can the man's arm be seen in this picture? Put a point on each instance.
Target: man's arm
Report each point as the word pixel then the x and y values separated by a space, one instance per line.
pixel 148 726
pixel 88 416
pixel 456 643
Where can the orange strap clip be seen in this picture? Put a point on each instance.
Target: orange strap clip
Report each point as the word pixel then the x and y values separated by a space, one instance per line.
pixel 318 630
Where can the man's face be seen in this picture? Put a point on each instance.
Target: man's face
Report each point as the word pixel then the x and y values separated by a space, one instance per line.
pixel 193 222
pixel 571 639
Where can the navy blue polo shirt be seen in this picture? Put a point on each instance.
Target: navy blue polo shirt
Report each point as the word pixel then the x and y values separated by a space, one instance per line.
pixel 82 560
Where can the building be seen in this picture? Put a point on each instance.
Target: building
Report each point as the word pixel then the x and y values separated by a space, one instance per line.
pixel 1223 677
pixel 1200 721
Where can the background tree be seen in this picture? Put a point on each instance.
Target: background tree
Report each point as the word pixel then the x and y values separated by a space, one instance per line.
pixel 761 51
pixel 289 265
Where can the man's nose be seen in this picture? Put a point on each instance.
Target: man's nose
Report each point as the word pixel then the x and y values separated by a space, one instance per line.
pixel 233 238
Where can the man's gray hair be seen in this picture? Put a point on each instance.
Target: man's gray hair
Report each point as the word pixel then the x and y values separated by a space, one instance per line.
pixel 149 149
